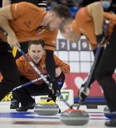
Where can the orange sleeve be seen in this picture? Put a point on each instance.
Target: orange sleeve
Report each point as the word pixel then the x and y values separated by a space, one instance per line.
pixel 59 63
pixel 110 16
pixel 20 65
pixel 3 37
pixel 112 23
pixel 50 40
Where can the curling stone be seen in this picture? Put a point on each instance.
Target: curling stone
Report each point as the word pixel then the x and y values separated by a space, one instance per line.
pixel 74 117
pixel 46 108
pixel 108 114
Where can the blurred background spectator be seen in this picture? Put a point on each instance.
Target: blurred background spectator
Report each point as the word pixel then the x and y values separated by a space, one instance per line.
pixel 74 5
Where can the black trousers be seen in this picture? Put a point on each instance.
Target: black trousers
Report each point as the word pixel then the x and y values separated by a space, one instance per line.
pixel 92 79
pixel 24 95
pixel 8 69
pixel 105 71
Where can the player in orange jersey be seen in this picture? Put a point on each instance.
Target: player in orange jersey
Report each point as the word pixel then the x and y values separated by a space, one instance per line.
pixel 39 3
pixel 22 22
pixel 37 54
pixel 90 21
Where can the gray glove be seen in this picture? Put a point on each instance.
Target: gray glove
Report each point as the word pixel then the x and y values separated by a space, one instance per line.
pixel 83 92
pixel 101 38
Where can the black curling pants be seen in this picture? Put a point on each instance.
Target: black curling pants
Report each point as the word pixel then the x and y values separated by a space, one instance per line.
pixel 92 78
pixel 24 95
pixel 8 69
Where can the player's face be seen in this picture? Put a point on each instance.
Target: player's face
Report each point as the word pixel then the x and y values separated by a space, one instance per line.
pixel 36 52
pixel 54 23
pixel 72 36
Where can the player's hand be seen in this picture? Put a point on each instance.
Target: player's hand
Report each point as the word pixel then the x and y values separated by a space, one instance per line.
pixel 55 87
pixel 101 38
pixel 58 71
pixel 83 92
pixel 12 40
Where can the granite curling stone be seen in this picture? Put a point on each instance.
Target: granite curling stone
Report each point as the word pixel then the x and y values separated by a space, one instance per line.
pixel 46 108
pixel 74 117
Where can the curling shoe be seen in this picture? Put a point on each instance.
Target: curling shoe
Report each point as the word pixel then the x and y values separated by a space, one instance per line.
pixel 14 104
pixel 111 123
pixel 25 108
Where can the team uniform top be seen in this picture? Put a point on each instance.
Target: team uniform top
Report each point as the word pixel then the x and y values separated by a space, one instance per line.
pixel 26 70
pixel 26 24
pixel 84 25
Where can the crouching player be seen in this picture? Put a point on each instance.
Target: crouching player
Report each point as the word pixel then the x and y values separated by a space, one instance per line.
pixel 24 95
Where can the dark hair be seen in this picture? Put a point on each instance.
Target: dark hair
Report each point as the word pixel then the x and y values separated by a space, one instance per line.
pixel 62 11
pixel 36 42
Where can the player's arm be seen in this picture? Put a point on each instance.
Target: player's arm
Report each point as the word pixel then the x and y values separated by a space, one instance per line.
pixel 6 2
pixel 61 66
pixel 96 11
pixel 20 65
pixel 5 17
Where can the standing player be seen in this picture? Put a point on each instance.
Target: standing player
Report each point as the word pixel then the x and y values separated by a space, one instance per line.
pixel 24 46
pixel 22 22
pixel 89 21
